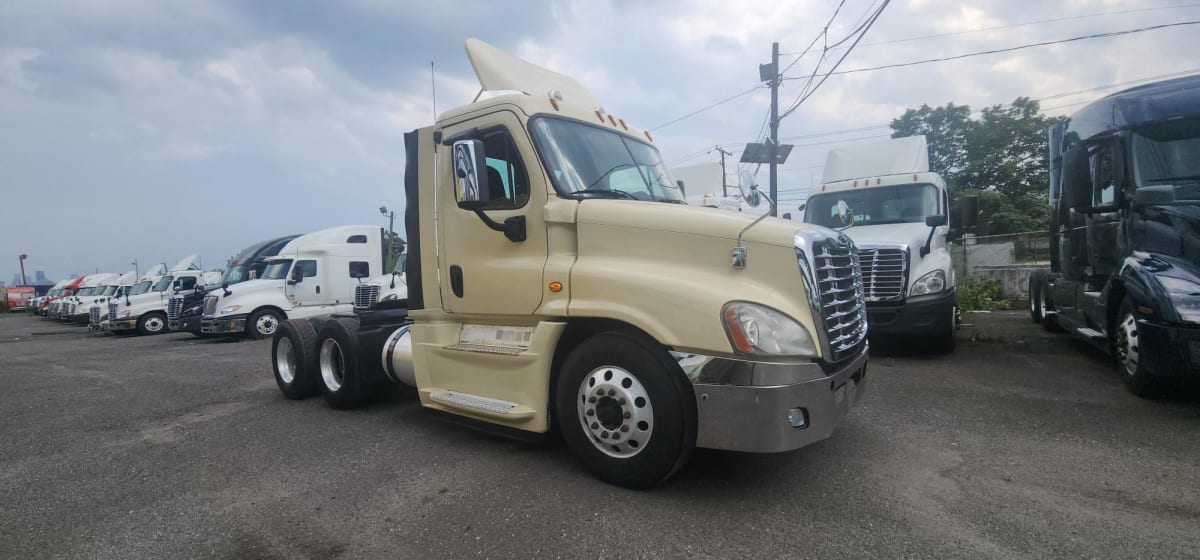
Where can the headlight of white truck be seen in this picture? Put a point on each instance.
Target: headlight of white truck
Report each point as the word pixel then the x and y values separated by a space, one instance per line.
pixel 758 330
pixel 1185 296
pixel 931 283
pixel 230 309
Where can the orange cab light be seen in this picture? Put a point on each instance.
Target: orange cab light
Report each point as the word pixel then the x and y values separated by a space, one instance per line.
pixel 878 181
pixel 856 182
pixel 612 120
pixel 556 287
pixel 648 137
pixel 914 176
pixel 599 115
pixel 623 125
pixel 554 102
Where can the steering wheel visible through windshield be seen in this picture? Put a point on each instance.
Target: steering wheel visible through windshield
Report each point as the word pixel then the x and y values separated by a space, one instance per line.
pixel 586 161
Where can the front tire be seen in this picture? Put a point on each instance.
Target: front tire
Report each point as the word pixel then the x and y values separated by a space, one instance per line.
pixel 339 377
pixel 626 410
pixel 1137 375
pixel 293 358
pixel 263 323
pixel 1035 293
pixel 152 323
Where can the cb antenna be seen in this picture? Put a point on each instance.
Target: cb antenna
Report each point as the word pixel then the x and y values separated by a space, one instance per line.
pixel 433 88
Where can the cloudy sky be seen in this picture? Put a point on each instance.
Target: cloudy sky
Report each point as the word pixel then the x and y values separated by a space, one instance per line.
pixel 152 129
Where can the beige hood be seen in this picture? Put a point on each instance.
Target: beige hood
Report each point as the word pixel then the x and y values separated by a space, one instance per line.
pixel 693 220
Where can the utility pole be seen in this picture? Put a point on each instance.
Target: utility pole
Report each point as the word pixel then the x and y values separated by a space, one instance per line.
pixel 773 145
pixel 724 192
pixel 22 258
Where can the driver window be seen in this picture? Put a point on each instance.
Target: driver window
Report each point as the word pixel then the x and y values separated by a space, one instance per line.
pixel 305 269
pixel 507 179
pixel 1103 181
pixel 186 283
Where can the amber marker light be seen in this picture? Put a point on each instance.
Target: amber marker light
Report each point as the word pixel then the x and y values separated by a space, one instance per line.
pixel 554 102
pixel 556 287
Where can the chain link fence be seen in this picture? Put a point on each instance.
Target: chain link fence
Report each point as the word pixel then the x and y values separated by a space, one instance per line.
pixel 1008 259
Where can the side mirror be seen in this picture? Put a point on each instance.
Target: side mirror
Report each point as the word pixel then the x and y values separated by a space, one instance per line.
pixel 969 212
pixel 749 188
pixel 845 216
pixel 935 221
pixel 679 183
pixel 802 206
pixel 253 275
pixel 470 174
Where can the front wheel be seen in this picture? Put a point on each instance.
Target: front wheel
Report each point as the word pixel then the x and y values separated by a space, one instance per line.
pixel 152 323
pixel 1137 376
pixel 262 323
pixel 626 410
pixel 946 338
pixel 1035 294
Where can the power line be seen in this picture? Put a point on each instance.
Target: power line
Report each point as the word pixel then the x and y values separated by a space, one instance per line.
pixel 865 28
pixel 1010 49
pixel 1021 24
pixel 703 109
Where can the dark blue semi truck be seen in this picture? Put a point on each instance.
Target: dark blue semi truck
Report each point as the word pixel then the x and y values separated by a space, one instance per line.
pixel 183 311
pixel 1125 232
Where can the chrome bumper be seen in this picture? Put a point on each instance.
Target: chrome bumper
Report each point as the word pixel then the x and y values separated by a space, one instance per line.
pixel 768 417
pixel 230 324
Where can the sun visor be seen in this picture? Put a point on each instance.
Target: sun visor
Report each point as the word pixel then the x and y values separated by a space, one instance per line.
pixel 890 157
pixel 500 71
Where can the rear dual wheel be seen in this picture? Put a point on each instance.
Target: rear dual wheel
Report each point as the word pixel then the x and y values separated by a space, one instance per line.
pixel 340 378
pixel 293 357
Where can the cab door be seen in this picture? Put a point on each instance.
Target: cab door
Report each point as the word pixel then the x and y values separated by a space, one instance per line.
pixel 483 271
pixel 305 283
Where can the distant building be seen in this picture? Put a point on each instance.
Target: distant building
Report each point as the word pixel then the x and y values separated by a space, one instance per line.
pixel 16 281
pixel 40 279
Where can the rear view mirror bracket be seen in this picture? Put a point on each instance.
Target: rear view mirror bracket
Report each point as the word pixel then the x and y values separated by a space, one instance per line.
pixel 513 228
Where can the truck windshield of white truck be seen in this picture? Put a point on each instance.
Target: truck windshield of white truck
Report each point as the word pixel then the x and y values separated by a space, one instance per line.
pixel 237 273
pixel 874 206
pixel 163 283
pixel 1169 154
pixel 586 161
pixel 140 288
pixel 277 270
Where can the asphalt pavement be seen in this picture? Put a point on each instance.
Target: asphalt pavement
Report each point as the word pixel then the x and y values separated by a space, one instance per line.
pixel 1021 444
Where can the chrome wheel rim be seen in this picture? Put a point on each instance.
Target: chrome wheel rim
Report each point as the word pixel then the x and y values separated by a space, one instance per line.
pixel 266 325
pixel 285 360
pixel 615 411
pixel 154 324
pixel 1127 344
pixel 1042 304
pixel 333 367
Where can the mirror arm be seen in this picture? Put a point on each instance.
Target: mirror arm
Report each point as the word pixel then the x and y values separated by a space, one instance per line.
pixel 928 241
pixel 739 251
pixel 513 228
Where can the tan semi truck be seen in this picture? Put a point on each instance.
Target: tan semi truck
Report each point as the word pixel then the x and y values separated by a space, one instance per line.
pixel 558 279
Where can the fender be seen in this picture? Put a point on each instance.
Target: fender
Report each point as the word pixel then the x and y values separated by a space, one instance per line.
pixel 1138 276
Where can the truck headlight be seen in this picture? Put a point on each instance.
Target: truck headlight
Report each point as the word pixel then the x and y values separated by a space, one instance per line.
pixel 930 283
pixel 391 297
pixel 229 309
pixel 1185 296
pixel 125 314
pixel 758 330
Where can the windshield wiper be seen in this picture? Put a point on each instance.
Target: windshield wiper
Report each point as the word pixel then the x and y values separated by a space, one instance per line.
pixel 613 193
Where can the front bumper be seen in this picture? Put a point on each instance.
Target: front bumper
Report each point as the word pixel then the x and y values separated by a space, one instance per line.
pixel 126 324
pixel 186 323
pixel 770 418
pixel 222 325
pixel 1169 350
pixel 923 315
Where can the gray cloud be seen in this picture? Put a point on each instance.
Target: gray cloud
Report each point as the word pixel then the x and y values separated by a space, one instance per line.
pixel 151 129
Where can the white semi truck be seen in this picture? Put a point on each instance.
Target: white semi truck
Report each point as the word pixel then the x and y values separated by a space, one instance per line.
pixel 883 196
pixel 557 277
pixel 314 274
pixel 75 307
pixel 146 310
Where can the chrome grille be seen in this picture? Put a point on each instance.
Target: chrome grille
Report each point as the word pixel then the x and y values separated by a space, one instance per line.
pixel 174 308
pixel 833 277
pixel 365 295
pixel 112 310
pixel 71 310
pixel 210 306
pixel 94 315
pixel 884 272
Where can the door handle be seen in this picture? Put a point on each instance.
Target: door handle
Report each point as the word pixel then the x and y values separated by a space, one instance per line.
pixel 318 288
pixel 456 280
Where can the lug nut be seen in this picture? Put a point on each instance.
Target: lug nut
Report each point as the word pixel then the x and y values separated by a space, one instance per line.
pixel 627 415
pixel 621 400
pixel 591 412
pixel 624 428
pixel 612 392
pixel 603 435
pixel 595 425
pixel 592 400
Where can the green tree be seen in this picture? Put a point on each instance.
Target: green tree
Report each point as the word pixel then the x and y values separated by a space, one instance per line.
pixel 1001 157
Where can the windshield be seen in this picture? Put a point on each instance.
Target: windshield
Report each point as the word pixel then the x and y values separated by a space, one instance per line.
pixel 163 283
pixel 277 270
pixel 1169 154
pixel 589 161
pixel 108 291
pixel 401 264
pixel 879 205
pixel 140 288
pixel 237 273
